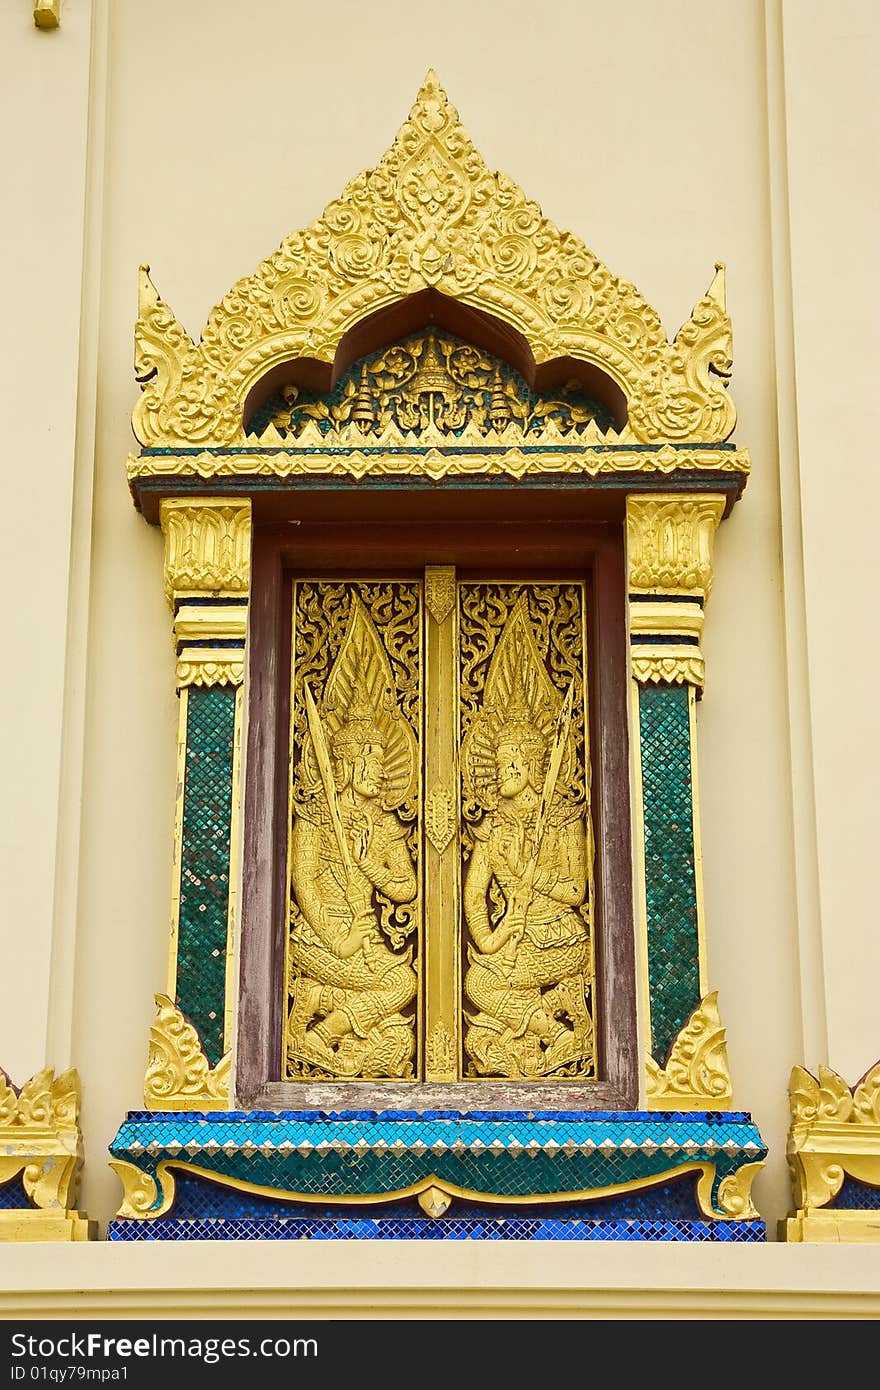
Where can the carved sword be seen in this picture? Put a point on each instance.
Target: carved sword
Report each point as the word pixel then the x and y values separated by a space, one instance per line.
pixel 548 791
pixel 325 768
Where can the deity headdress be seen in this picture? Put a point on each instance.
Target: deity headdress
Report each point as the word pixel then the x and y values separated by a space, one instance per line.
pixel 360 706
pixel 520 705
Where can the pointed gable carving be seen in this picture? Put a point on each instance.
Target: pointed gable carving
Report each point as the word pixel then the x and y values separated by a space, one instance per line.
pixel 431 215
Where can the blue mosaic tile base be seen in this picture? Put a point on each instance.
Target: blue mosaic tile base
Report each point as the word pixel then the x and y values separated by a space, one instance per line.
pixel 197 1198
pixel 13 1196
pixel 426 1228
pixel 381 1156
pixel 855 1196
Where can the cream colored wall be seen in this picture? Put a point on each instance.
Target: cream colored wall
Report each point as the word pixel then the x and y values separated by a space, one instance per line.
pixel 660 134
pixel 834 205
pixel 44 385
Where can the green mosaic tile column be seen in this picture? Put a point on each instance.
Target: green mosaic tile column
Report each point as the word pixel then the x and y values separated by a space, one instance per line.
pixel 207 581
pixel 670 877
pixel 204 866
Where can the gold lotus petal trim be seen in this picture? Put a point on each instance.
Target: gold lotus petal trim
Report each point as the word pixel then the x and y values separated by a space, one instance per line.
pixel 179 1075
pixel 697 1075
pixel 660 667
pixel 432 215
pixel 209 672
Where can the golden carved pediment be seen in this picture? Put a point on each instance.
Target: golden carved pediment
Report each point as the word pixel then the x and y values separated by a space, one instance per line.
pixel 431 216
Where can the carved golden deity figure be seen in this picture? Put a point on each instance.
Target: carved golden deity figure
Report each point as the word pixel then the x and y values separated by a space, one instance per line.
pixel 526 884
pixel 348 856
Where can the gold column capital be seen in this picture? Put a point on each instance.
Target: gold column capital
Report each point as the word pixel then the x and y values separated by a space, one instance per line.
pixel 669 542
pixel 669 545
pixel 40 1139
pixel 207 556
pixel 207 547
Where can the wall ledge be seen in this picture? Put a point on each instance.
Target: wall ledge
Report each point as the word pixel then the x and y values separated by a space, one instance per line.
pixel 394 1280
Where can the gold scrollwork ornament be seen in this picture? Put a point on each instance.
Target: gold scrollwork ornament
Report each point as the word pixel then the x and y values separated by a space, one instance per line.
pixel 697 1074
pixel 179 1075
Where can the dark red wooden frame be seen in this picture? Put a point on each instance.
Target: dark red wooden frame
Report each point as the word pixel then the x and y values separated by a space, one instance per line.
pixel 357 542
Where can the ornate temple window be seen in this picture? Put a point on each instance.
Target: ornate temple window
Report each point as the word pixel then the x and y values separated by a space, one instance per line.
pixel 430 653
pixel 438 498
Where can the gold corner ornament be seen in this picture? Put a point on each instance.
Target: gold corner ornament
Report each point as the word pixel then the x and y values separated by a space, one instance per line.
pixel 834 1135
pixel 179 1075
pixel 41 1143
pixel 697 1075
pixel 431 215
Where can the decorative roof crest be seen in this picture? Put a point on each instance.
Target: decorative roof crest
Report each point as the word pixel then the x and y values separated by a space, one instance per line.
pixel 431 215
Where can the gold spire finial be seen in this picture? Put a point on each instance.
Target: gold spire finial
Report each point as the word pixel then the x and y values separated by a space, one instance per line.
pixel 717 291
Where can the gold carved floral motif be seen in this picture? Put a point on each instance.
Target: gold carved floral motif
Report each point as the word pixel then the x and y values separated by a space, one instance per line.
pixel 834 1135
pixel 431 214
pixel 440 1058
pixel 440 592
pixel 431 384
pixel 41 1142
pixel 354 837
pixel 526 841
pixel 697 1075
pixel 179 1075
pixel 440 818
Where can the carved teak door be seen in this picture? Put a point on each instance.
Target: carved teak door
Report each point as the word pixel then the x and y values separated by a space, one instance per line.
pixel 440 846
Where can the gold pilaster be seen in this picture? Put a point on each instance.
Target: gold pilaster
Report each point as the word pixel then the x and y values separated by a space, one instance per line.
pixel 442 976
pixel 834 1135
pixel 207 556
pixel 207 583
pixel 41 1141
pixel 669 542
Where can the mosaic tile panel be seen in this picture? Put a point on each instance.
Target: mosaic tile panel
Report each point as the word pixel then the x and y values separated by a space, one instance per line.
pixel 446 1228
pixel 670 882
pixel 855 1196
pixel 13 1196
pixel 507 1154
pixel 197 1198
pixel 204 871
